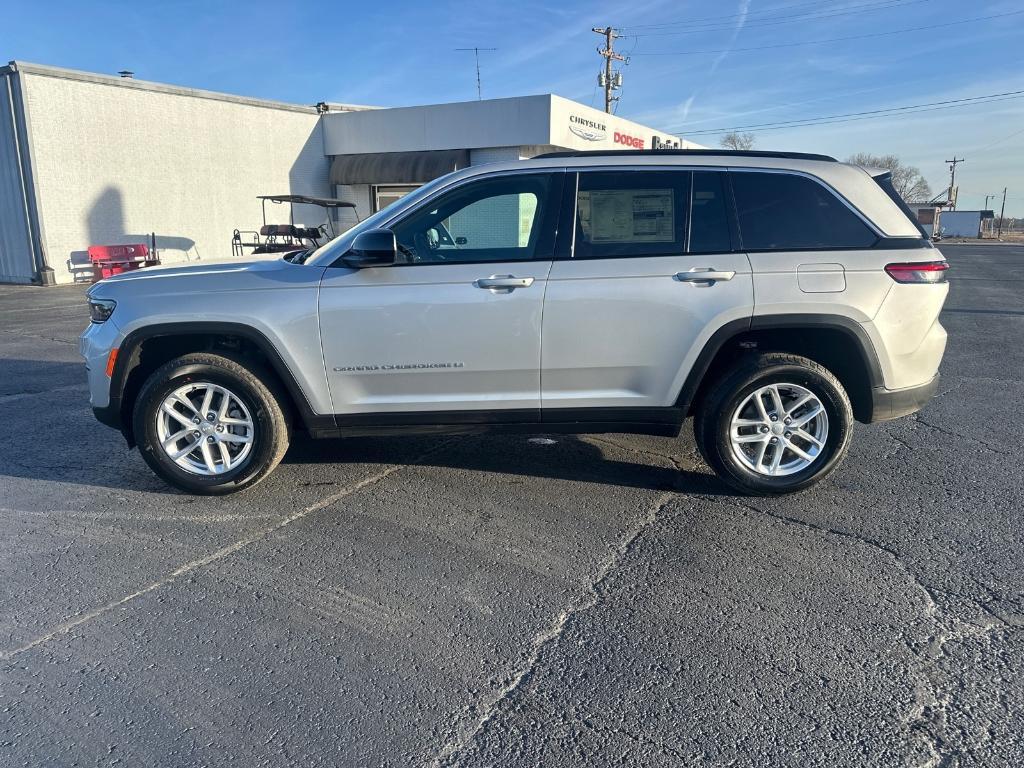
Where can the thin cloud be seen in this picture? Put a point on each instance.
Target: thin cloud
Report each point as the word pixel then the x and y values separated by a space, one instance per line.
pixel 741 20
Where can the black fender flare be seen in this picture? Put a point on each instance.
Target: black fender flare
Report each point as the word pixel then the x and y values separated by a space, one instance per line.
pixel 735 328
pixel 114 414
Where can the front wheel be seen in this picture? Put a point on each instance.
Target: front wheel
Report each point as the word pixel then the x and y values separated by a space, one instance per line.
pixel 208 424
pixel 774 424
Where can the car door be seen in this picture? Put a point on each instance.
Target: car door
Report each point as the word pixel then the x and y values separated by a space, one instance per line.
pixel 650 273
pixel 455 325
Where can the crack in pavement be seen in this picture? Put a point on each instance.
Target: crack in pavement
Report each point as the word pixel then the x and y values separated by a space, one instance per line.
pixel 950 433
pixel 10 398
pixel 230 549
pixel 676 462
pixel 899 440
pixel 586 600
pixel 927 718
pixel 36 336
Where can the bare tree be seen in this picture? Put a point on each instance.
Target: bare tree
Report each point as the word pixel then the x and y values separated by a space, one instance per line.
pixel 734 140
pixel 906 179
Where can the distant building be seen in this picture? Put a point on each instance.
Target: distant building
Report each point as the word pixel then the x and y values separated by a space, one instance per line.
pixel 89 159
pixel 965 223
pixel 928 215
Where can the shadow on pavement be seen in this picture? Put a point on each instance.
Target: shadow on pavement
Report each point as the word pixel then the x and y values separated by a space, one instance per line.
pixel 35 397
pixel 569 458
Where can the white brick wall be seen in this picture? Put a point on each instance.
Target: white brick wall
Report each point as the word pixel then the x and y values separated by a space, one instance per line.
pixel 352 193
pixel 113 164
pixel 494 155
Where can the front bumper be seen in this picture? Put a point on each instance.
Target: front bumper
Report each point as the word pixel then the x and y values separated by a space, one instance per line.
pixel 94 346
pixel 893 403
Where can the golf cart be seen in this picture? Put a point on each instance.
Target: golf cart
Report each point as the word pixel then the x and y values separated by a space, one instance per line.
pixel 288 238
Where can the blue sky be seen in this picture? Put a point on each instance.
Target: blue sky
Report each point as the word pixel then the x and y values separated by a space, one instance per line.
pixel 399 53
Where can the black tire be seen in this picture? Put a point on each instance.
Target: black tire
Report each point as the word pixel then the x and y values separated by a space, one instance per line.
pixel 714 415
pixel 251 385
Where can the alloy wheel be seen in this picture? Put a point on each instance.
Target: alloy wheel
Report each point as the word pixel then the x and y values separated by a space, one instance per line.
pixel 205 428
pixel 779 429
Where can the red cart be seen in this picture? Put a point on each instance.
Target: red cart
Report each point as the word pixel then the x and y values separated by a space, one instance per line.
pixel 110 260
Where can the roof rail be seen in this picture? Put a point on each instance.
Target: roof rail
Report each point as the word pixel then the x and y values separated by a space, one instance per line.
pixel 688 153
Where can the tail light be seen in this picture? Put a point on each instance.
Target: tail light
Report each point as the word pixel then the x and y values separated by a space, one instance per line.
pixel 918 272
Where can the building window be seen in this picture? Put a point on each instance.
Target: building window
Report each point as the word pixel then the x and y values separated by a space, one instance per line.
pixel 385 194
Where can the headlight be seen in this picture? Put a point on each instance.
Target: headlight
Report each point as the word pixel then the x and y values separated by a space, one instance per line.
pixel 100 310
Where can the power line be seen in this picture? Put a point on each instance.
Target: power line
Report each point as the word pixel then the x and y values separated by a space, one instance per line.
pixel 867 114
pixel 720 18
pixel 758 23
pixel 833 39
pixel 1000 141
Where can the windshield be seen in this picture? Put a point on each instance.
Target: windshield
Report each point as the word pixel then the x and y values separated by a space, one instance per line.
pixel 331 250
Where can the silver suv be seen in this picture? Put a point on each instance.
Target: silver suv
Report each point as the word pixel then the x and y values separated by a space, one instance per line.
pixel 773 297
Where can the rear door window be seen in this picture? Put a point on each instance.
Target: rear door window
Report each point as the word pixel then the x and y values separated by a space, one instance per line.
pixel 784 211
pixel 631 213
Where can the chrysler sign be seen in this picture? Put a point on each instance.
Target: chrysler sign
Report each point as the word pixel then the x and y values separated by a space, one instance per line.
pixel 588 130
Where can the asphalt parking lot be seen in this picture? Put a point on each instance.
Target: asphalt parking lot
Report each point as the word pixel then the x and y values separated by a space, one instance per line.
pixel 505 602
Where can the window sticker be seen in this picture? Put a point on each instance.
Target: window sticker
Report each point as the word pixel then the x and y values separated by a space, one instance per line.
pixel 628 215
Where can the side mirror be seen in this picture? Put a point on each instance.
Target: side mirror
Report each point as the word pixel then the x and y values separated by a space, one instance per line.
pixel 372 248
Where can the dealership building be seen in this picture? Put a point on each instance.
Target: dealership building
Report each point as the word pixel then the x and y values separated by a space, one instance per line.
pixel 89 159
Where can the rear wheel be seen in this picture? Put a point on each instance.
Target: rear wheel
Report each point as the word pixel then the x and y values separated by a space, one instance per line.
pixel 775 423
pixel 208 424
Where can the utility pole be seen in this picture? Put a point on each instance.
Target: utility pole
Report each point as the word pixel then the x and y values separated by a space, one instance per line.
pixel 952 179
pixel 1003 211
pixel 610 80
pixel 476 55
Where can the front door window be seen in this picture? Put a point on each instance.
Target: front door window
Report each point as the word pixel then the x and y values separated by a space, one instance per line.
pixel 507 218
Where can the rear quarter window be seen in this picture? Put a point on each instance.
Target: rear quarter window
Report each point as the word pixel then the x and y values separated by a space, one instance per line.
pixel 784 211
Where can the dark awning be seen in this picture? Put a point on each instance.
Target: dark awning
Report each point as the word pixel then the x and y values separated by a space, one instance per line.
pixel 323 202
pixel 397 167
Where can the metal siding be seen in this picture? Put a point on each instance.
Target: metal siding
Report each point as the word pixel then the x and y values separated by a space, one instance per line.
pixel 113 164
pixel 960 223
pixel 16 259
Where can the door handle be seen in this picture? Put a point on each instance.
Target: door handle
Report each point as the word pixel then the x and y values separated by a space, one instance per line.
pixel 703 276
pixel 503 283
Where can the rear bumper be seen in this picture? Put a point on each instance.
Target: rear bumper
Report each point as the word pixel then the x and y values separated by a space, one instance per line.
pixel 109 416
pixel 893 403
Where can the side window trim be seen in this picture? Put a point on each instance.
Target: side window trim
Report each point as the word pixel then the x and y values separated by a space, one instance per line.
pixel 549 218
pixel 732 212
pixel 732 220
pixel 565 237
pixel 824 185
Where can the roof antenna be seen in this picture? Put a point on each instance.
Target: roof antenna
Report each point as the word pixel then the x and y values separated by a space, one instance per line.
pixel 476 55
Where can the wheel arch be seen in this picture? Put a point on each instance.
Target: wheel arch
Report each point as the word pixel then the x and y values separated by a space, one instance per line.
pixel 836 342
pixel 145 349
